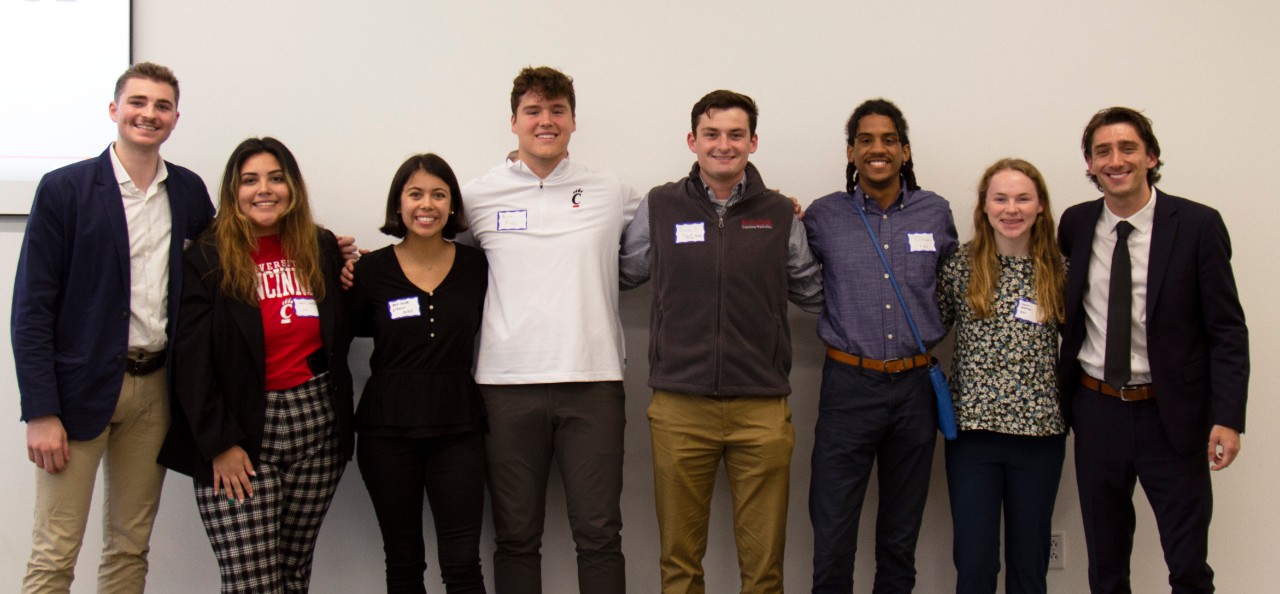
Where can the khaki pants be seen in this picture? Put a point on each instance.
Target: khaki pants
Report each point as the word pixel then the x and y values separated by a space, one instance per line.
pixel 131 488
pixel 754 436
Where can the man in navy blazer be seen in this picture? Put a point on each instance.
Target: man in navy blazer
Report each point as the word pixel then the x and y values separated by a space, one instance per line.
pixel 1152 392
pixel 94 305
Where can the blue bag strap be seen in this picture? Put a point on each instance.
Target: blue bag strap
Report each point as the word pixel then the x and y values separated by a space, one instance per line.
pixel 875 241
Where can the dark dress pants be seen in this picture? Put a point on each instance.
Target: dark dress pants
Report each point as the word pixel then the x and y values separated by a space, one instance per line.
pixel 449 470
pixel 867 417
pixel 579 426
pixel 989 473
pixel 1118 442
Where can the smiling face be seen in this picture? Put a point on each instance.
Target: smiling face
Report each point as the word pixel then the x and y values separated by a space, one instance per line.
pixel 877 152
pixel 723 143
pixel 543 127
pixel 425 203
pixel 145 113
pixel 1012 205
pixel 1120 161
pixel 263 195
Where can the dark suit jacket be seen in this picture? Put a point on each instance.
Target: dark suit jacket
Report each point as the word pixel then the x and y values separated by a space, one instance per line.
pixel 70 316
pixel 219 364
pixel 1197 341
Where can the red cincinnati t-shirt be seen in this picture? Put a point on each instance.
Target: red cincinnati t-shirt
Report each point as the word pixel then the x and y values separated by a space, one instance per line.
pixel 290 318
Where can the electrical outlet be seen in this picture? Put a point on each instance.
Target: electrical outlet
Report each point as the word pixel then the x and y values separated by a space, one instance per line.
pixel 1058 550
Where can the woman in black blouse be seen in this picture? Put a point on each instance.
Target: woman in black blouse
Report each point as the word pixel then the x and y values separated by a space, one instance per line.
pixel 420 417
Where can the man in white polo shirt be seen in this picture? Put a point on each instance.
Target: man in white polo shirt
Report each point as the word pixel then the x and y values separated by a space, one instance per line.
pixel 551 350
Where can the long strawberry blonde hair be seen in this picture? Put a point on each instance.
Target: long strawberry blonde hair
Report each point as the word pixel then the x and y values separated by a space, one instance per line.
pixel 1050 271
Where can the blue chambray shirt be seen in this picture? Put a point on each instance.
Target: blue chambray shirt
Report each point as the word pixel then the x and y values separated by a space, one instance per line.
pixel 861 315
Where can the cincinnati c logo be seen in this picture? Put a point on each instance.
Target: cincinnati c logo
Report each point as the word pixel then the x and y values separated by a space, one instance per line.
pixel 577 198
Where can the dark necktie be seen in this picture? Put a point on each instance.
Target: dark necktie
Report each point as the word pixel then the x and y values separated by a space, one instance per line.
pixel 1119 311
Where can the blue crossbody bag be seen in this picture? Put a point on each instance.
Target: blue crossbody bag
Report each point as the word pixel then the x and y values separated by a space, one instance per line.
pixel 946 409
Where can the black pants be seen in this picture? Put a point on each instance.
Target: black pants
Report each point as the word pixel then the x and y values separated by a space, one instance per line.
pixel 1118 444
pixel 450 470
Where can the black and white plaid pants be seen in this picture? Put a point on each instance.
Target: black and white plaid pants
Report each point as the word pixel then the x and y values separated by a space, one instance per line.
pixel 265 544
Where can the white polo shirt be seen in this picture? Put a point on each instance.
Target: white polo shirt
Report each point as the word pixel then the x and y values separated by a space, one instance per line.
pixel 551 313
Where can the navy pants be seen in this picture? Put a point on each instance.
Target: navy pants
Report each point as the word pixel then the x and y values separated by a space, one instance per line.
pixel 867 417
pixel 1117 444
pixel 988 473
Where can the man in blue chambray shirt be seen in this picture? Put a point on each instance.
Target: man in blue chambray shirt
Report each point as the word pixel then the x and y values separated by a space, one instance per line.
pixel 877 403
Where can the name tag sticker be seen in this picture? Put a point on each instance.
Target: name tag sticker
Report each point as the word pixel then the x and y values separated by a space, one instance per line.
pixel 404 308
pixel 921 242
pixel 1027 311
pixel 691 232
pixel 305 307
pixel 513 220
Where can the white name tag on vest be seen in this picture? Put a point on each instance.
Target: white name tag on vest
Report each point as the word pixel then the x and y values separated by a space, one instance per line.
pixel 404 308
pixel 691 232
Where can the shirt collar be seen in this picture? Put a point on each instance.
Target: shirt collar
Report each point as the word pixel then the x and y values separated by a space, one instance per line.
pixel 126 182
pixel 899 203
pixel 1142 220
pixel 733 196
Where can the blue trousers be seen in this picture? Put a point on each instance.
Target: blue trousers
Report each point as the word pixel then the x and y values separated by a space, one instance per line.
pixel 989 472
pixel 867 417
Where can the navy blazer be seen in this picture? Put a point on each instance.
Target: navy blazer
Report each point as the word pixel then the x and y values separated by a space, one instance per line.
pixel 70 316
pixel 1197 340
pixel 218 399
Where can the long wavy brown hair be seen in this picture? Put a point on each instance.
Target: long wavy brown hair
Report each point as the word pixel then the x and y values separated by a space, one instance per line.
pixel 233 233
pixel 1050 271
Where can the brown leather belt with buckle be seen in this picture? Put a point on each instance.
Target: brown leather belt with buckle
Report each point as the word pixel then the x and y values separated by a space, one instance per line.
pixel 143 363
pixel 890 366
pixel 1128 393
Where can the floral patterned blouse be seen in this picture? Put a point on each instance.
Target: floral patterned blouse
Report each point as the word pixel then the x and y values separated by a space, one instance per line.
pixel 1004 369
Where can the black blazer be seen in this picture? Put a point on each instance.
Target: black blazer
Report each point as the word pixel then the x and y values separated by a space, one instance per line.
pixel 1197 341
pixel 219 365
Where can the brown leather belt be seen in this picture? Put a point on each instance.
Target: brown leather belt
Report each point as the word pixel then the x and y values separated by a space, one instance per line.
pixel 890 366
pixel 143 363
pixel 1128 393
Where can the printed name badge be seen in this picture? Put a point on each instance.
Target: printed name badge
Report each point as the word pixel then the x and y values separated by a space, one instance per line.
pixel 513 220
pixel 305 307
pixel 691 232
pixel 1027 311
pixel 404 308
pixel 921 242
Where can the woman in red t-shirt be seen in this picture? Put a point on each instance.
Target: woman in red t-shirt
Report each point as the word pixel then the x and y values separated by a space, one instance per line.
pixel 262 393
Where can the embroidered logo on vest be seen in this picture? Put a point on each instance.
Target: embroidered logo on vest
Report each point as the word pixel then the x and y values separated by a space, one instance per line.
pixel 757 223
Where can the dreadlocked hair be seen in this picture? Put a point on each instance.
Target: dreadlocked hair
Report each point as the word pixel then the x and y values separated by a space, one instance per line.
pixel 886 108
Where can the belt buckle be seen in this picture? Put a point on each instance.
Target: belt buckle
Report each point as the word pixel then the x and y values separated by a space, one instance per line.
pixel 895 365
pixel 1126 398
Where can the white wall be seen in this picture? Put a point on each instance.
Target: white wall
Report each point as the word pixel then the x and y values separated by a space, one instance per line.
pixel 354 87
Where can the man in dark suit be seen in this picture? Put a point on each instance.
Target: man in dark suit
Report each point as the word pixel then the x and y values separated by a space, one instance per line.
pixel 94 305
pixel 1150 389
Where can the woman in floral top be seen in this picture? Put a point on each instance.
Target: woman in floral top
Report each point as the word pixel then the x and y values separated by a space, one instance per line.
pixel 1003 291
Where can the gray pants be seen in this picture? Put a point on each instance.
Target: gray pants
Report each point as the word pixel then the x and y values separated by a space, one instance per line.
pixel 579 425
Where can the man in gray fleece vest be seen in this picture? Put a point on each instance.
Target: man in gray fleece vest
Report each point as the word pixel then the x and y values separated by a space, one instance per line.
pixel 725 255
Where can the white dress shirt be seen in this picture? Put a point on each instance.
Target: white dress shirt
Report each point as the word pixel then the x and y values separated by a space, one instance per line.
pixel 1093 351
pixel 146 211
